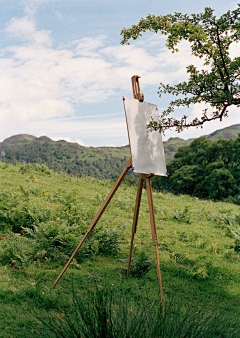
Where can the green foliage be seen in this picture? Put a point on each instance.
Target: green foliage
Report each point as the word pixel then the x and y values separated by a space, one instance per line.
pixel 140 265
pixel 35 167
pixel 231 223
pixel 235 231
pixel 219 184
pixel 199 259
pixel 210 39
pixel 16 212
pixel 55 241
pixel 61 156
pixel 129 181
pixel 107 312
pixel 15 251
pixel 205 169
pixel 35 234
pixel 182 215
pixel 109 241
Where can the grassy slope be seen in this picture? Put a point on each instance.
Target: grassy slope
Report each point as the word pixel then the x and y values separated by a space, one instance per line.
pixel 199 233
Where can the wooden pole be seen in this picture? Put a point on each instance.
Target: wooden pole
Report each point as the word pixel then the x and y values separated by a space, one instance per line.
pixel 135 218
pixel 136 95
pixel 154 234
pixel 97 217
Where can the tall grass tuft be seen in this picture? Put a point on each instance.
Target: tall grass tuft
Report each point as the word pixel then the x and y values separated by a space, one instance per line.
pixel 107 312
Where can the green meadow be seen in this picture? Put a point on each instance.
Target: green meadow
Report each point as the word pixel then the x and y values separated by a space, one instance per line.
pixel 44 215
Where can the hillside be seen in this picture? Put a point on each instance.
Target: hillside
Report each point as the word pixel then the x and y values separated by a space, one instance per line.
pixel 43 217
pixel 225 133
pixel 171 146
pixel 62 156
pixel 77 160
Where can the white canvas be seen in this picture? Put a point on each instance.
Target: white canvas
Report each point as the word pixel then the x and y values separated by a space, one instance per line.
pixel 146 147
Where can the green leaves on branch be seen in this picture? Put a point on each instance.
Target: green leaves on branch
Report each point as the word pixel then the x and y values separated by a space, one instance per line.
pixel 205 169
pixel 210 39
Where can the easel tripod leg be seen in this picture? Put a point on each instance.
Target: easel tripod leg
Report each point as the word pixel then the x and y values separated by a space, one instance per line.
pixel 135 218
pixel 159 277
pixel 98 215
pixel 154 234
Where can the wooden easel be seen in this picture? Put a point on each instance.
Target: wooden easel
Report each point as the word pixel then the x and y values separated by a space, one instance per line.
pixel 137 95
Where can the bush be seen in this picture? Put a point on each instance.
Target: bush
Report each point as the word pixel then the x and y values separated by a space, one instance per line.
pixel 56 241
pixel 109 241
pixel 140 265
pixel 35 167
pixel 182 215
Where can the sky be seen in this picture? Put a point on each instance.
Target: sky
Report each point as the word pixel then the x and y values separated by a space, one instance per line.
pixel 63 72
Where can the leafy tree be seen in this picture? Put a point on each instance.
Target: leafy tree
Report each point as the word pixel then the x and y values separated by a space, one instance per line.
pixel 185 179
pixel 210 39
pixel 218 185
pixel 205 169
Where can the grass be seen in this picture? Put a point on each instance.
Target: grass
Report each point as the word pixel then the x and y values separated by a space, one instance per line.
pixel 106 312
pixel 198 256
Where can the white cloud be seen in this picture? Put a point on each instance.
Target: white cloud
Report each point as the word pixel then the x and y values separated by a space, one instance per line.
pixel 88 46
pixel 40 82
pixel 96 132
pixel 58 15
pixel 25 29
pixel 234 50
pixel 20 28
pixel 32 5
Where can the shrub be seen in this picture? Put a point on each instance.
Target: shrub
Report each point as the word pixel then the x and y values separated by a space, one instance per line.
pixel 182 215
pixel 35 167
pixel 140 265
pixel 108 241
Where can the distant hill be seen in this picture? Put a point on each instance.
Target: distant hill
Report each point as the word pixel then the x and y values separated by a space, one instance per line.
pixel 225 133
pixel 77 160
pixel 171 146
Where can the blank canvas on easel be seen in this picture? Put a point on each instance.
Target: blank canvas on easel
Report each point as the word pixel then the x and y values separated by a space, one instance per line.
pixel 146 147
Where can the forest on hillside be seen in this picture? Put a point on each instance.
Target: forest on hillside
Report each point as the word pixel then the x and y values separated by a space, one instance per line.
pixel 205 169
pixel 78 160
pixel 61 156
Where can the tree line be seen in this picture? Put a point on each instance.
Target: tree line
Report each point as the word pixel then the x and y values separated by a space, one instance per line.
pixel 206 169
pixel 73 159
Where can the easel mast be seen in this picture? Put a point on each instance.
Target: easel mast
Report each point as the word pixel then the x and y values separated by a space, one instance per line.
pixel 139 96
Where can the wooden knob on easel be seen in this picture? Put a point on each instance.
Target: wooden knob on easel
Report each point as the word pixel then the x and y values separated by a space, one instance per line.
pixel 140 97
